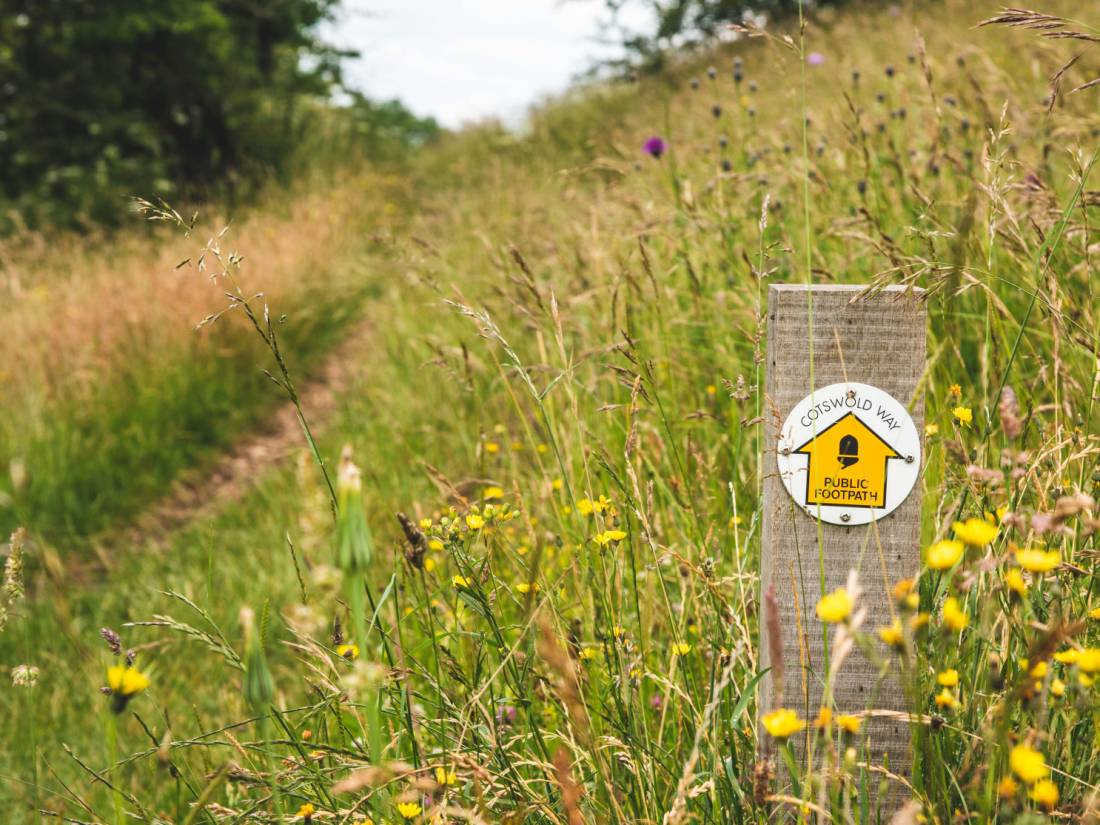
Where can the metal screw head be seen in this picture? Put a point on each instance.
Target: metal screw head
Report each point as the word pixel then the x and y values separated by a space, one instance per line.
pixel 851 393
pixel 909 459
pixel 785 451
pixel 845 517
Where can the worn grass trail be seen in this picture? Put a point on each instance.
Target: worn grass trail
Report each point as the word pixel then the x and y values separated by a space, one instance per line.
pixel 204 491
pixel 116 393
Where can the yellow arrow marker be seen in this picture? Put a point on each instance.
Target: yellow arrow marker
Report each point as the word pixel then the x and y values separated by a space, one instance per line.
pixel 847 465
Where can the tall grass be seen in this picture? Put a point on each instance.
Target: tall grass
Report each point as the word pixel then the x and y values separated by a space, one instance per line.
pixel 564 400
pixel 109 390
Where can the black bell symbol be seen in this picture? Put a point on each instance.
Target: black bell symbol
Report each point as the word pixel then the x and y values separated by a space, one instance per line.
pixel 849 451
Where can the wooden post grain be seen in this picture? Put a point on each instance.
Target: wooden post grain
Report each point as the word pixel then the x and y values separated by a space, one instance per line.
pixel 876 339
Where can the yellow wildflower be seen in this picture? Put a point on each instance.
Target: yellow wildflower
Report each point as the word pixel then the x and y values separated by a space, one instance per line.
pixel 948 678
pixel 1057 687
pixel 608 536
pixel 425 524
pixel 126 680
pixel 436 545
pixel 681 649
pixel 944 555
pixel 1038 561
pixel 445 777
pixel 954 616
pixel 460 581
pixel 955 390
pixel 526 587
pixel 491 447
pixel 1007 787
pixel 474 521
pixel 848 723
pixel 1014 581
pixel 347 651
pixel 1039 671
pixel 1028 763
pixel 1045 793
pixel 931 429
pixel 946 699
pixel 835 607
pixel 492 492
pixel 892 635
pixel 588 653
pixel 782 722
pixel 305 812
pixel 845 722
pixel 964 415
pixel 918 621
pixel 429 565
pixel 1089 660
pixel 409 810
pixel 585 507
pixel 1094 613
pixel 903 588
pixel 1068 656
pixel 975 531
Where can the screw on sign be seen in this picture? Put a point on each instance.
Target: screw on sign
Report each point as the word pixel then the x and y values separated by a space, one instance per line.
pixel 849 453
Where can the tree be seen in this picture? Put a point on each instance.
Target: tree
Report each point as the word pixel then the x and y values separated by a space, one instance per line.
pixel 680 22
pixel 100 99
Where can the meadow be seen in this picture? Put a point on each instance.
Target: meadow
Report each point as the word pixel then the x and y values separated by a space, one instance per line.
pixel 522 582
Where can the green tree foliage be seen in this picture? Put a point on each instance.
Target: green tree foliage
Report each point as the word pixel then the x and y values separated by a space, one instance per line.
pixel 679 22
pixel 100 99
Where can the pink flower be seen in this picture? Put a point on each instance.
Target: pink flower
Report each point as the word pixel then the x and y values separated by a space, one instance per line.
pixel 815 58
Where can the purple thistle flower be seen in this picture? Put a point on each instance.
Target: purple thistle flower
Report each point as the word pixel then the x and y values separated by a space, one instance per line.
pixel 815 58
pixel 506 715
pixel 655 146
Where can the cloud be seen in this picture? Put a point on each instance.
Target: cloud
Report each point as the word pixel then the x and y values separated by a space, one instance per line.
pixel 461 60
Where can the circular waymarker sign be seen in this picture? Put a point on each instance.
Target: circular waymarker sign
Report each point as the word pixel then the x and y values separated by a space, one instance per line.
pixel 849 453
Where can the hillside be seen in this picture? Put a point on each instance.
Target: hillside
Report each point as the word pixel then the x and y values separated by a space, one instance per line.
pixel 557 381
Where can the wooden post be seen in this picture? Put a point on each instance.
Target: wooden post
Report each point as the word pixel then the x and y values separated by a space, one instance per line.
pixel 876 339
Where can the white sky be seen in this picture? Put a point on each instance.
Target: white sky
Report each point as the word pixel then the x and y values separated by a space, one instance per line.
pixel 461 60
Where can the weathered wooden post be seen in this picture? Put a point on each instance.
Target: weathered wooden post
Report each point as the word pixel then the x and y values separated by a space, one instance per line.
pixel 840 446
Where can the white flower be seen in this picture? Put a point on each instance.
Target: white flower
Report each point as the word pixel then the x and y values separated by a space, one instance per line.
pixel 24 676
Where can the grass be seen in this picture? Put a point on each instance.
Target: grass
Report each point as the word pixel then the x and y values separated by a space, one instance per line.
pixel 569 320
pixel 110 393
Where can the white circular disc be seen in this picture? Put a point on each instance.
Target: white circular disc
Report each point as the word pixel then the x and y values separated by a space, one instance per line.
pixel 849 453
